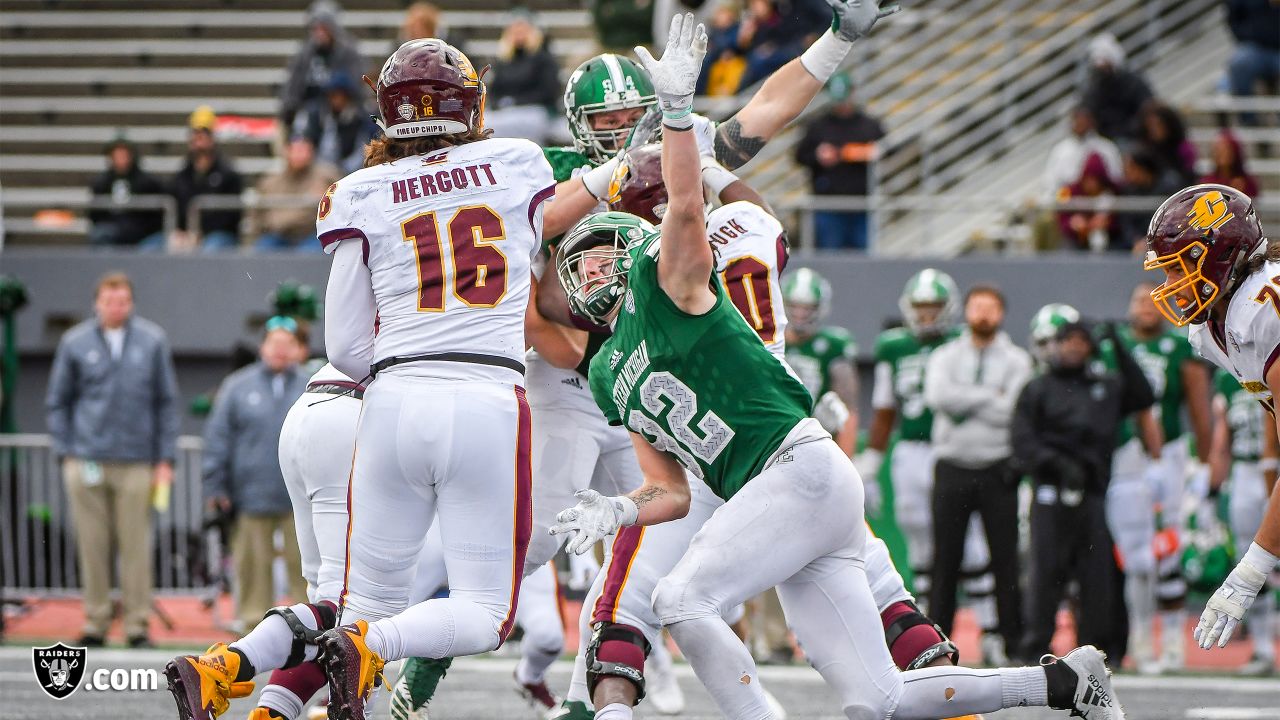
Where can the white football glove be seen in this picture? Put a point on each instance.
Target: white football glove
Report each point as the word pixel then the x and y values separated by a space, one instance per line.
pixel 831 412
pixel 594 518
pixel 1230 602
pixel 855 18
pixel 675 76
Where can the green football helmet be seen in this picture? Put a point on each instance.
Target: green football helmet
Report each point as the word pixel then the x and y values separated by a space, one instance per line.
pixel 929 302
pixel 593 261
pixel 806 296
pixel 604 83
pixel 1044 327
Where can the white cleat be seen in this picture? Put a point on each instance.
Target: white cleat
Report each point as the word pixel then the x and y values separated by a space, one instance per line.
pixel 1093 698
pixel 775 707
pixel 662 690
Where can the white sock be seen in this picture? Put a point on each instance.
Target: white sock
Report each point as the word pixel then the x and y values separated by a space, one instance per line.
pixel 949 691
pixel 578 691
pixel 281 700
pixel 444 627
pixel 984 610
pixel 268 645
pixel 1172 638
pixel 660 656
pixel 614 711
pixel 534 662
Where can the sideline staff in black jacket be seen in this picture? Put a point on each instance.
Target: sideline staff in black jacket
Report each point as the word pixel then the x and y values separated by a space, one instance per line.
pixel 1064 431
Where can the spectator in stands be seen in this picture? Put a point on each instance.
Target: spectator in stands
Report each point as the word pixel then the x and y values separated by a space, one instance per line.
pixel 340 128
pixel 622 24
pixel 112 413
pixel 286 216
pixel 725 62
pixel 1255 24
pixel 119 184
pixel 1141 179
pixel 1092 228
pixel 242 467
pixel 1228 165
pixel 525 85
pixel 1113 93
pixel 205 172
pixel 1162 133
pixel 1066 160
pixel 421 20
pixel 838 149
pixel 329 49
pixel 769 38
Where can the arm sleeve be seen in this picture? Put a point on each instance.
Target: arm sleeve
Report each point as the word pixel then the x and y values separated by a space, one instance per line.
pixel 216 458
pixel 349 311
pixel 882 387
pixel 166 404
pixel 59 400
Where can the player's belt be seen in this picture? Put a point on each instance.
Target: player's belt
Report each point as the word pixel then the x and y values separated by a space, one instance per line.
pixel 477 358
pixel 337 387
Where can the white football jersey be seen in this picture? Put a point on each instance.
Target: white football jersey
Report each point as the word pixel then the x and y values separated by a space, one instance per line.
pixel 1249 341
pixel 750 256
pixel 448 238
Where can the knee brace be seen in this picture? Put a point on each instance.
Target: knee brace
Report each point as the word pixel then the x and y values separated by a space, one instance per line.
pixel 617 651
pixel 326 616
pixel 914 640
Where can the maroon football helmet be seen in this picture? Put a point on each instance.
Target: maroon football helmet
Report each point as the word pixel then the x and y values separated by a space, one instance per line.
pixel 428 87
pixel 1202 238
pixel 637 186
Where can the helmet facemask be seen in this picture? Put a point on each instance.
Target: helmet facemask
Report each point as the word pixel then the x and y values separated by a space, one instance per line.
pixel 594 277
pixel 602 144
pixel 1171 297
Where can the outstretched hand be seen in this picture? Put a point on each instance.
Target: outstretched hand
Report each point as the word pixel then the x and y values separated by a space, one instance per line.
pixel 675 75
pixel 855 18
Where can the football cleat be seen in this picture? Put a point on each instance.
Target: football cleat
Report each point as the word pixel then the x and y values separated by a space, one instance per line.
pixel 352 668
pixel 572 710
pixel 537 694
pixel 1093 697
pixel 416 686
pixel 203 685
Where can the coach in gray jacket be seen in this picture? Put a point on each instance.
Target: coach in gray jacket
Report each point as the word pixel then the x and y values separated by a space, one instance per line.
pixel 242 467
pixel 112 413
pixel 972 384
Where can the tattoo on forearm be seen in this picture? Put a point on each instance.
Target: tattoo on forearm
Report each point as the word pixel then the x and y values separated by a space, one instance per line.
pixel 733 150
pixel 644 496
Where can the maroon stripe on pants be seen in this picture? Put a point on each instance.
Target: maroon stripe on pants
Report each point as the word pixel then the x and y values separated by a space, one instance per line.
pixel 626 546
pixel 523 526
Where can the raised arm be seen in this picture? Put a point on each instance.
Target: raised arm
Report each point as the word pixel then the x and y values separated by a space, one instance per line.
pixel 786 93
pixel 686 261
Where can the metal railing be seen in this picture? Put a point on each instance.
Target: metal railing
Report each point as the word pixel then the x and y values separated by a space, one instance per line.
pixel 930 212
pixel 37 532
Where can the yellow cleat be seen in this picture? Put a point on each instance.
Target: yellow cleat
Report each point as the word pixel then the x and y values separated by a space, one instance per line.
pixel 203 685
pixel 352 668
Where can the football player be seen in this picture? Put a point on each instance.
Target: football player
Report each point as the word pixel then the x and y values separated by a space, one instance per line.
pixel 1244 450
pixel 432 242
pixel 823 357
pixel 1149 470
pixel 1044 329
pixel 315 456
pixel 929 308
pixel 1219 269
pixel 701 394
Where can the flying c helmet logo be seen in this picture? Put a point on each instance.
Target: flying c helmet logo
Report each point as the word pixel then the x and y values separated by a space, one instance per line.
pixel 1209 212
pixel 59 669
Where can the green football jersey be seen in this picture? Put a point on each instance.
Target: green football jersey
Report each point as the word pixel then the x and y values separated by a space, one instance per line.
pixel 906 356
pixel 702 388
pixel 566 164
pixel 1245 417
pixel 1161 361
pixel 812 358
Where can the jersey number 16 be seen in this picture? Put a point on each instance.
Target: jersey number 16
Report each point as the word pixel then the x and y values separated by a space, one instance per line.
pixel 478 269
